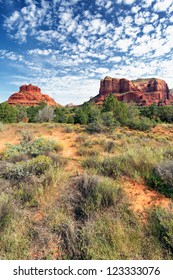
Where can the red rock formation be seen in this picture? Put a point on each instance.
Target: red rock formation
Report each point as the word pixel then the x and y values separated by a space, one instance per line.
pixel 30 95
pixel 141 91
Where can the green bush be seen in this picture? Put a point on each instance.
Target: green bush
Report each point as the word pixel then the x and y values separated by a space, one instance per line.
pixel 95 127
pixel 26 136
pixel 161 178
pixel 84 151
pixel 92 163
pixel 161 226
pixel 91 194
pixel 22 170
pixel 136 162
pixel 32 148
pixel 111 167
pixel 141 123
pixel 8 113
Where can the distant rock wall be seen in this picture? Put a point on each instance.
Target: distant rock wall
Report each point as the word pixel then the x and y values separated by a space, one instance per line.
pixel 142 91
pixel 30 95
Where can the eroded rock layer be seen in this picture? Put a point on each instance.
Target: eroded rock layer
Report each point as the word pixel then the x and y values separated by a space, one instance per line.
pixel 141 91
pixel 30 95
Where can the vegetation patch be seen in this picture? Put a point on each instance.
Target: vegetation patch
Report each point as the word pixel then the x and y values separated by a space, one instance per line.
pixel 161 178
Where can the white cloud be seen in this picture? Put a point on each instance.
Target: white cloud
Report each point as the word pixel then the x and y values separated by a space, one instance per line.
pixel 148 28
pixel 115 59
pixel 162 5
pixel 129 2
pixel 11 21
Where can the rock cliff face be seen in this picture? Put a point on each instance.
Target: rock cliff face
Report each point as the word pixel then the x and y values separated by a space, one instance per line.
pixel 30 95
pixel 142 91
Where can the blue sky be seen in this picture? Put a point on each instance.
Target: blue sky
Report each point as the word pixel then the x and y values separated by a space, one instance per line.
pixel 66 47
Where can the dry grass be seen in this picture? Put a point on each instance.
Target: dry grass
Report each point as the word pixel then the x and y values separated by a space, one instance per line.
pixel 46 227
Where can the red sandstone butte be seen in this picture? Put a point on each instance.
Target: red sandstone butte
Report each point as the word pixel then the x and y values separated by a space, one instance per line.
pixel 30 95
pixel 143 92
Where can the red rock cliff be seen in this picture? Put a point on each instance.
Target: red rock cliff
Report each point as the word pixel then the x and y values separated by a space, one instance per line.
pixel 141 91
pixel 30 95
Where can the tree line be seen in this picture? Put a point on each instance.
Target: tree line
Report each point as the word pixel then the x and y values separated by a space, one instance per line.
pixel 112 113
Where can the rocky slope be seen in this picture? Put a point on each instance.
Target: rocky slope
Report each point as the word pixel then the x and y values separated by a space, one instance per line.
pixel 141 91
pixel 29 95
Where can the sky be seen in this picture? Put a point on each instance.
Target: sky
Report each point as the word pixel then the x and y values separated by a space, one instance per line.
pixel 66 46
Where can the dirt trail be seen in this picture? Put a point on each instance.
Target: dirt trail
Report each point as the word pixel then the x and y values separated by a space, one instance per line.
pixel 141 198
pixel 67 140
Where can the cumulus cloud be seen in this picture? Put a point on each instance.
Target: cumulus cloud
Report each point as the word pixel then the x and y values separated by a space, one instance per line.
pixel 162 5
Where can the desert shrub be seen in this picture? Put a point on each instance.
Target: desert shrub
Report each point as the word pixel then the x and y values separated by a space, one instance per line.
pixel 111 167
pixel 109 146
pixel 161 178
pixel 135 162
pixel 69 234
pixel 161 226
pixel 84 151
pixel 92 194
pixel 95 127
pixel 92 163
pixel 26 136
pixel 26 194
pixel 33 148
pixel 58 160
pixel 21 170
pixel 17 157
pixel 68 129
pixel 142 123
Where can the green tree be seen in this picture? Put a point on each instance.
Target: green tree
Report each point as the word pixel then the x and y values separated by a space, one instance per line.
pixel 32 112
pixel 60 114
pixel 80 116
pixel 119 109
pixel 110 104
pixel 21 113
pixel 8 113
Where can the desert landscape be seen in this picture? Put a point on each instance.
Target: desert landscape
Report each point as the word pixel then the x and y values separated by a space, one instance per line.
pixel 85 182
pixel 86 133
